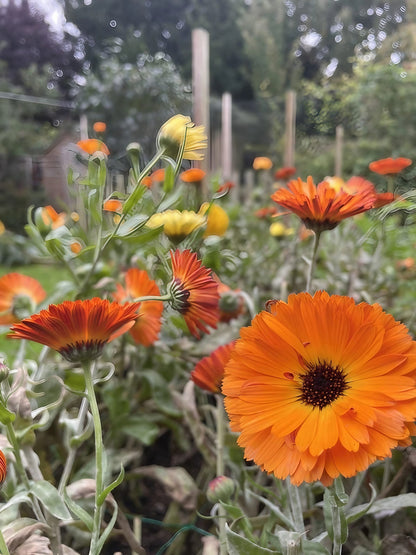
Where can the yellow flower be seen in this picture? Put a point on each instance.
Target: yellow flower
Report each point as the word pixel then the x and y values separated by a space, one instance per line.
pixel 277 229
pixel 177 225
pixel 2 228
pixel 217 219
pixel 175 131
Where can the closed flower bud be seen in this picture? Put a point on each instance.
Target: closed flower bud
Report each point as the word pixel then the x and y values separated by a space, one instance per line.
pixel 4 372
pixel 220 488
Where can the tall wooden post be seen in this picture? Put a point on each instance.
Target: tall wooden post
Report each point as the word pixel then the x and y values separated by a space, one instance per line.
pixel 226 137
pixel 290 128
pixel 200 86
pixel 339 143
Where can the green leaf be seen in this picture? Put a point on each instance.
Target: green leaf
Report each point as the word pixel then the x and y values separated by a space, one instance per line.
pixel 110 487
pixel 310 548
pixel 236 545
pixel 141 429
pixel 79 512
pixel 131 225
pixel 389 504
pixel 48 495
pixel 6 417
pixel 107 530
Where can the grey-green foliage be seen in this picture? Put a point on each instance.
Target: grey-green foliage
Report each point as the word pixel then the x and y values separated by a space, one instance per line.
pixel 133 99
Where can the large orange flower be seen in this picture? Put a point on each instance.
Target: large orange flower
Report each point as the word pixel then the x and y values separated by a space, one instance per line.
pixel 321 387
pixel 323 207
pixel 90 146
pixel 209 371
pixel 19 296
pixel 78 330
pixel 138 284
pixel 194 292
pixel 389 166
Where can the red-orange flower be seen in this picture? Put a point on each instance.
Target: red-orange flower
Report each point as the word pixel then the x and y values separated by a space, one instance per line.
pixel 285 172
pixel 322 207
pixel 90 146
pixel 99 127
pixel 194 292
pixel 321 387
pixel 360 185
pixel 3 467
pixel 19 296
pixel 78 330
pixel 138 284
pixel 389 166
pixel 225 187
pixel 50 217
pixel 209 371
pixel 193 175
pixel 265 212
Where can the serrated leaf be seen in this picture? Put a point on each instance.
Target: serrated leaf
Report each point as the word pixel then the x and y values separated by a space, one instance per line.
pixel 236 545
pixel 50 498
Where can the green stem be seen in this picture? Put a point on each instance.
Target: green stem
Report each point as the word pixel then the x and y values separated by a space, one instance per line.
pixel 166 297
pixel 73 451
pixel 99 458
pixel 21 473
pixel 312 265
pixel 220 470
pixel 339 525
pixel 296 506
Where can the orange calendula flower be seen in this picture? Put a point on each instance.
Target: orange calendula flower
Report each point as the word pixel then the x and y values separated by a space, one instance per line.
pixel 262 163
pixel 90 146
pixel 360 185
pixel 322 207
pixel 225 187
pixel 99 127
pixel 47 218
pixel 389 166
pixel 265 212
pixel 19 296
pixel 113 205
pixel 193 175
pixel 138 284
pixel 180 131
pixel 3 467
pixel 194 292
pixel 321 387
pixel 285 172
pixel 209 371
pixel 78 330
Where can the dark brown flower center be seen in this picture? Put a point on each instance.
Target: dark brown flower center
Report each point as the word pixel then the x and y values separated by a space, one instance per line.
pixel 322 383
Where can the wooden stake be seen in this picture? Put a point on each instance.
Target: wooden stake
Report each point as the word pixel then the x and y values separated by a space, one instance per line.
pixel 226 136
pixel 290 128
pixel 339 143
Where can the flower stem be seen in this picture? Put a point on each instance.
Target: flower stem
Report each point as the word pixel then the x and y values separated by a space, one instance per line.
pixel 312 265
pixel 296 506
pixel 220 469
pixel 99 458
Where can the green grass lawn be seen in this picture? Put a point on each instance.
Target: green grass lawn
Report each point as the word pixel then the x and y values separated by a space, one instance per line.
pixel 49 276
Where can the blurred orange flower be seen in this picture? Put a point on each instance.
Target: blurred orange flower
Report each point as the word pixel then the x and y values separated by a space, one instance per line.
pixel 158 176
pixel 99 127
pixel 113 205
pixel 389 166
pixel 76 247
pixel 138 284
pixel 285 172
pixel 262 163
pixel 193 175
pixel 78 330
pixel 209 371
pixel 321 207
pixel 51 218
pixel 319 387
pixel 231 303
pixel 90 146
pixel 225 187
pixel 3 467
pixel 194 292
pixel 19 295
pixel 265 212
